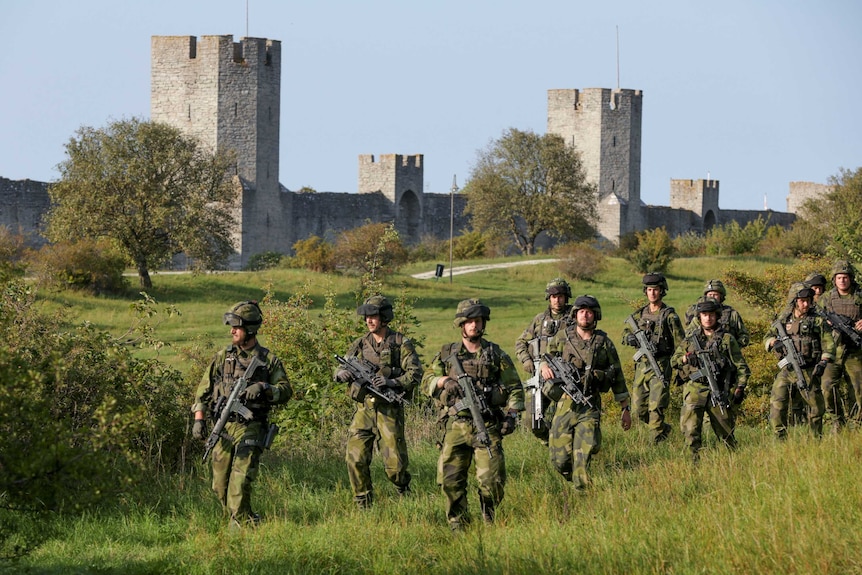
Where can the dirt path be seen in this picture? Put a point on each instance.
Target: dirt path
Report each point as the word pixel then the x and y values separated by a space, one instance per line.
pixel 458 270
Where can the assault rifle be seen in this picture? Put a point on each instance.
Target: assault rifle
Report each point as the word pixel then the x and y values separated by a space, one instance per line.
pixel 363 372
pixel 842 323
pixel 791 357
pixel 571 379
pixel 537 415
pixel 225 407
pixel 708 370
pixel 646 349
pixel 471 401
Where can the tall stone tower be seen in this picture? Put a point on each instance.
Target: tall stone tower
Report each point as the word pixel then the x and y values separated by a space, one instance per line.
pixel 228 95
pixel 400 179
pixel 604 125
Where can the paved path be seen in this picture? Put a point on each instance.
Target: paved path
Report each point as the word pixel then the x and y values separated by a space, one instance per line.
pixel 458 270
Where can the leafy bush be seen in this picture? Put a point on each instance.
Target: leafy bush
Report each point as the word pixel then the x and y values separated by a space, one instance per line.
pixel 314 254
pixel 733 239
pixel 93 266
pixel 580 260
pixel 654 251
pixel 470 245
pixel 429 248
pixel 690 244
pixel 12 264
pixel 801 239
pixel 263 261
pixel 370 249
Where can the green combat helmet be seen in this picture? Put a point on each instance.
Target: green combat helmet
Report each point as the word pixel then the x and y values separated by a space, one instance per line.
pixel 715 285
pixel 470 308
pixel 245 314
pixel 377 305
pixel 815 279
pixel 589 302
pixel 709 305
pixel 844 267
pixel 655 279
pixel 798 290
pixel 558 286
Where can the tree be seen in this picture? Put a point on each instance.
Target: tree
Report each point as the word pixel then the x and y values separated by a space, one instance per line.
pixel 148 187
pixel 838 214
pixel 525 184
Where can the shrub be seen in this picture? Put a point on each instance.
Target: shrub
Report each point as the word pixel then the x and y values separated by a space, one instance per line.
pixel 428 249
pixel 12 264
pixel 93 266
pixel 313 254
pixel 801 239
pixel 689 244
pixel 372 249
pixel 263 261
pixel 470 245
pixel 580 260
pixel 654 251
pixel 733 239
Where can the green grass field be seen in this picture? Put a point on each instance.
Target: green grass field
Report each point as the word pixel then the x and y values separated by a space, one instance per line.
pixel 791 507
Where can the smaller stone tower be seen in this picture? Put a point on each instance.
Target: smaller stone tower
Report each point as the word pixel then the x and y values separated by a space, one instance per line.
pixel 400 179
pixel 698 196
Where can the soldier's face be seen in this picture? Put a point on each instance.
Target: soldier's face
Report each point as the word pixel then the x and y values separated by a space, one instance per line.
pixel 239 337
pixel 842 283
pixel 558 301
pixel 374 323
pixel 708 319
pixel 653 294
pixel 586 318
pixel 818 290
pixel 716 295
pixel 472 328
pixel 802 305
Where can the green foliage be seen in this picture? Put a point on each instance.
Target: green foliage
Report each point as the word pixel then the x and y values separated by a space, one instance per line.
pixel 838 215
pixel 654 251
pixel 733 239
pixel 374 250
pixel 470 245
pixel 93 266
pixel 314 254
pixel 525 184
pixel 263 261
pixel 306 190
pixel 12 263
pixel 689 244
pixel 766 290
pixel 429 248
pixel 153 190
pixel 581 261
pixel 802 239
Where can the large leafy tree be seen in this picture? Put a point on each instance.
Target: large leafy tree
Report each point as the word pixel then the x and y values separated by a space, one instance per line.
pixel 149 188
pixel 525 184
pixel 839 214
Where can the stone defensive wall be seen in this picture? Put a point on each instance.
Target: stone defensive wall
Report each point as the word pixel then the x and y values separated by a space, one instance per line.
pixel 22 205
pixel 800 192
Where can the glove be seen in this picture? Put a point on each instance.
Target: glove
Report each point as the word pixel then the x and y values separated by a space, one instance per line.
pixel 691 359
pixel 380 381
pixel 343 376
pixel 632 340
pixel 778 346
pixel 256 390
pixel 529 367
pixel 452 387
pixel 820 368
pixel 199 429
pixel 738 395
pixel 510 422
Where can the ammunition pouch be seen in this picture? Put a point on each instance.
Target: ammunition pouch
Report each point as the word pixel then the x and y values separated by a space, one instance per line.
pixel 357 392
pixel 552 389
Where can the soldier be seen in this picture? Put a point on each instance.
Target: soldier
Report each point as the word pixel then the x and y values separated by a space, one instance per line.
pixel 814 347
pixel 376 422
pixel 731 321
pixel 816 282
pixel 576 431
pixel 498 389
pixel 720 351
pixel 844 299
pixel 530 346
pixel 236 455
pixel 662 327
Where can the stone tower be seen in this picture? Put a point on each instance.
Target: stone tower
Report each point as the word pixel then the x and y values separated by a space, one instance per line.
pixel 699 197
pixel 604 125
pixel 400 179
pixel 228 95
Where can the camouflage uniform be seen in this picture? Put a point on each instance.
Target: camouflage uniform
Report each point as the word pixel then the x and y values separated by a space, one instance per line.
pixel 236 455
pixel 376 422
pixel 495 378
pixel 576 433
pixel 543 327
pixel 848 357
pixel 650 396
pixel 733 373
pixel 813 343
pixel 730 320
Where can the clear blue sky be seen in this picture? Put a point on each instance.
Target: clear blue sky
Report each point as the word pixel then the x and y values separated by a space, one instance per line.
pixel 754 93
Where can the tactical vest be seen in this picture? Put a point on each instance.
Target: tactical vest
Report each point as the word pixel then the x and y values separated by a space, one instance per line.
pixel 719 351
pixel 654 325
pixel 847 306
pixel 805 333
pixel 484 369
pixel 233 368
pixel 389 355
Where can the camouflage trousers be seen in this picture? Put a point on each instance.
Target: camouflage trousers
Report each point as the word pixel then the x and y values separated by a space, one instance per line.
pixel 541 427
pixel 576 436
pixel 695 403
pixel 842 404
pixel 459 449
pixel 235 465
pixel 381 425
pixel 651 398
pixel 785 393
